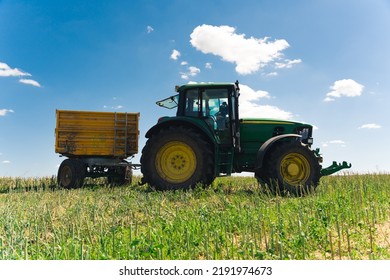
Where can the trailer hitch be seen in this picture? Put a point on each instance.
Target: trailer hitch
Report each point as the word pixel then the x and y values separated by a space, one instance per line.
pixel 335 167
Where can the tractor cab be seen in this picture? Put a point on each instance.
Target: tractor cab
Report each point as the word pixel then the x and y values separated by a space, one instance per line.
pixel 214 104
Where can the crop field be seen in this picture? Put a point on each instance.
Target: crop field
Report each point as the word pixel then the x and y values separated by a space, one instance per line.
pixel 347 217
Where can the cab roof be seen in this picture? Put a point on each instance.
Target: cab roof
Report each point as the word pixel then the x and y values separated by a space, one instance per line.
pixel 200 85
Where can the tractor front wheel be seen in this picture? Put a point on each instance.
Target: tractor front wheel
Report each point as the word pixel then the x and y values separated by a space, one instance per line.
pixel 177 158
pixel 291 168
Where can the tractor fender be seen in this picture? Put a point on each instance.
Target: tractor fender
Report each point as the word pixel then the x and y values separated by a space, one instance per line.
pixel 197 124
pixel 268 144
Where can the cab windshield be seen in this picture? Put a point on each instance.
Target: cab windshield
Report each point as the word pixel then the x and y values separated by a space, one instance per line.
pixel 170 102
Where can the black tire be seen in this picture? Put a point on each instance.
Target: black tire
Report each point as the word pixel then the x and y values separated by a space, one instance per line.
pixel 290 168
pixel 177 158
pixel 71 174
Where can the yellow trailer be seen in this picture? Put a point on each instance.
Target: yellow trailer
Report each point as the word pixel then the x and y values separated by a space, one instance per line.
pixel 97 144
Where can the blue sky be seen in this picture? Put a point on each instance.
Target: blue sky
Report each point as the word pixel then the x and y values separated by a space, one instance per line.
pixel 324 62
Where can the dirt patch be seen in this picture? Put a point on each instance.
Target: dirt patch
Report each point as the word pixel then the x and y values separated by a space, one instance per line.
pixel 382 235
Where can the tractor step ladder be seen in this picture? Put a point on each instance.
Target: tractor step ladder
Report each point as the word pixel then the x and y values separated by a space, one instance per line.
pixel 120 135
pixel 225 161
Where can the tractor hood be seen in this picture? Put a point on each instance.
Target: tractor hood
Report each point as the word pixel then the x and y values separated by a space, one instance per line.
pixel 265 121
pixel 260 129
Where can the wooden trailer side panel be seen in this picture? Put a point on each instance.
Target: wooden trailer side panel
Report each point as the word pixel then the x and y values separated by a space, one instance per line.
pixel 88 133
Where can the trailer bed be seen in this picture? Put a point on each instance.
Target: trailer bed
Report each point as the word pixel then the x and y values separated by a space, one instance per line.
pixel 96 134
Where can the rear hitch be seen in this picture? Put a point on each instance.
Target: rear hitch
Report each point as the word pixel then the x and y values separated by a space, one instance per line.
pixel 335 167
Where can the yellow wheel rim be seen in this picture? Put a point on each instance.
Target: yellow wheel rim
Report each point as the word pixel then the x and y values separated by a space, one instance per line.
pixel 295 169
pixel 175 162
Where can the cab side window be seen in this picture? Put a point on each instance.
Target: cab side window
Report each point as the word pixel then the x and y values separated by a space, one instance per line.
pixel 192 108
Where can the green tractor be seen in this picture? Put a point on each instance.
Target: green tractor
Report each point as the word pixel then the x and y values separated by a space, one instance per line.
pixel 207 139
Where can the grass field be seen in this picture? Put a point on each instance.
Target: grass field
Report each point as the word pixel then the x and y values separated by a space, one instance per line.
pixel 348 217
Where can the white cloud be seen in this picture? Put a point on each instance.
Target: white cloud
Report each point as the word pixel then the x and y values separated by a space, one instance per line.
pixel 175 54
pixel 149 29
pixel 5 161
pixel 4 112
pixel 249 106
pixel 336 142
pixel 287 63
pixel 192 72
pixel 113 107
pixel 272 74
pixel 30 82
pixel 248 94
pixel 340 143
pixel 184 63
pixel 370 126
pixel 208 65
pixel 253 110
pixel 117 107
pixel 6 71
pixel 345 87
pixel 249 54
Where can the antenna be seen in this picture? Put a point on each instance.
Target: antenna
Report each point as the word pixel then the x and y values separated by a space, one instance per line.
pixel 237 85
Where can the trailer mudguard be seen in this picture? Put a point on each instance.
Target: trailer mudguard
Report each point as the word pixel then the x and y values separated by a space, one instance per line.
pixel 267 144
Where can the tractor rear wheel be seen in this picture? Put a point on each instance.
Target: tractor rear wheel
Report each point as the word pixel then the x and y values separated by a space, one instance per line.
pixel 177 158
pixel 71 174
pixel 291 168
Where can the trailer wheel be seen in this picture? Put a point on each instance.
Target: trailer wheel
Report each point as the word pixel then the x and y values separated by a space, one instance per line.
pixel 291 168
pixel 177 158
pixel 71 174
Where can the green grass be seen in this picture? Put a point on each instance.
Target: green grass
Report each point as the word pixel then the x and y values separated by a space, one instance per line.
pixel 346 218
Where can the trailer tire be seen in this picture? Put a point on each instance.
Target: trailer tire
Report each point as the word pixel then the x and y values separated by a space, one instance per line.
pixel 71 174
pixel 177 158
pixel 290 168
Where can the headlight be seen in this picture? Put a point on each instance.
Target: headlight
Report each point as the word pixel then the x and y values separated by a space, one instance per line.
pixel 306 136
pixel 305 133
